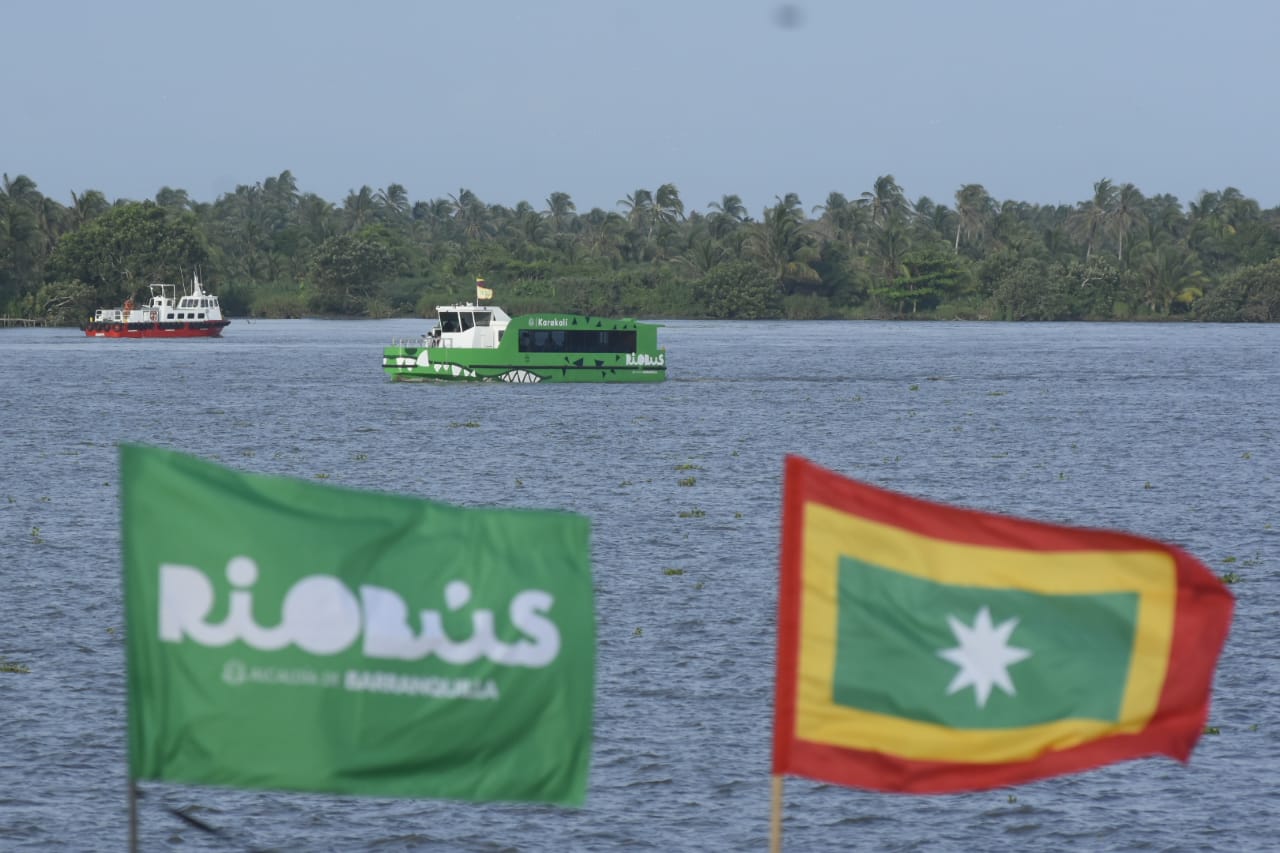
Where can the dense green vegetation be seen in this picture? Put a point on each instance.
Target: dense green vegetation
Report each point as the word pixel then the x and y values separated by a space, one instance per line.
pixel 269 250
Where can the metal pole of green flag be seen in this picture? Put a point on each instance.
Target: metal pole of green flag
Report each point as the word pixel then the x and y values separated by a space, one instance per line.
pixel 775 817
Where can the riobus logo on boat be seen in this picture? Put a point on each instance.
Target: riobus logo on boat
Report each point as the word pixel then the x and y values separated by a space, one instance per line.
pixel 646 360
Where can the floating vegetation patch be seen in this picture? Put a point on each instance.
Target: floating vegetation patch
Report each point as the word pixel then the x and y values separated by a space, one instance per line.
pixel 913 388
pixel 670 571
pixel 468 424
pixel 322 476
pixel 1230 577
pixel 691 513
pixel 1212 730
pixel 35 536
pixel 1147 485
pixel 687 481
pixel 362 457
pixel 996 393
pixel 12 666
pixel 688 466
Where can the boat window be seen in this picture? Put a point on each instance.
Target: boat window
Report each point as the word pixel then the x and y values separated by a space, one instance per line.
pixel 449 321
pixel 483 317
pixel 600 341
pixel 200 316
pixel 468 320
pixel 169 316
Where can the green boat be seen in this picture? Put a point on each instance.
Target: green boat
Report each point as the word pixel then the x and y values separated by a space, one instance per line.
pixel 482 343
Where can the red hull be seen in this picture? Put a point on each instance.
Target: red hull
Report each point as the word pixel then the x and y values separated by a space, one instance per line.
pixel 156 330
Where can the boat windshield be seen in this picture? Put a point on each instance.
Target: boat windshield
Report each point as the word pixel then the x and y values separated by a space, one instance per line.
pixel 460 321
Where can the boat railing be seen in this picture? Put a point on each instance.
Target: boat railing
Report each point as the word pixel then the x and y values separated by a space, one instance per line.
pixel 424 342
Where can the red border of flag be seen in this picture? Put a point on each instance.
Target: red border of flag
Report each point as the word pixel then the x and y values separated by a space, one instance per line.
pixel 1201 622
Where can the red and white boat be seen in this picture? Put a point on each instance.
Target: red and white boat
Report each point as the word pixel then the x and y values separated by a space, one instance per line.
pixel 195 315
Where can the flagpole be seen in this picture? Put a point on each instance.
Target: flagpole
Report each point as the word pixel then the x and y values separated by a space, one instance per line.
pixel 133 816
pixel 775 817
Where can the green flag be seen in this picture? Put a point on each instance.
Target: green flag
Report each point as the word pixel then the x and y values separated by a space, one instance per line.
pixel 289 635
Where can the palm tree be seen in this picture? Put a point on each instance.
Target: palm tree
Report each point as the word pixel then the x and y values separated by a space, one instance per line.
pixel 884 200
pixel 603 232
pixel 1090 219
pixel 1168 274
pixel 703 255
pixel 561 211
pixel 784 243
pixel 317 217
pixel 1163 215
pixel 729 214
pixel 22 238
pixel 974 211
pixel 840 219
pixel 470 214
pixel 393 202
pixel 638 207
pixel 668 208
pixel 359 208
pixel 86 207
pixel 171 199
pixel 1126 214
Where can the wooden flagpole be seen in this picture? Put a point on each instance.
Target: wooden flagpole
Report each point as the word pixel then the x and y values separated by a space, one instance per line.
pixel 775 817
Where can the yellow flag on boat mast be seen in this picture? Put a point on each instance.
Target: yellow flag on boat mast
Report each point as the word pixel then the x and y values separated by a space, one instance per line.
pixel 483 292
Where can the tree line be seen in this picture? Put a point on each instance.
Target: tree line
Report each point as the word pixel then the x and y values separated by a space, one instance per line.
pixel 270 250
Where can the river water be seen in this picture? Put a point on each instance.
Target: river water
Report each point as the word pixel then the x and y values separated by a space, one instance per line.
pixel 1169 431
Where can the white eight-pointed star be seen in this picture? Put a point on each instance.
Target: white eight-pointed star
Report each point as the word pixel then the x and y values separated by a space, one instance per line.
pixel 983 655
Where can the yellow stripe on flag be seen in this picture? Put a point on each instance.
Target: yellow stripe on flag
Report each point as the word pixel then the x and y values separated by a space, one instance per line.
pixel 828 534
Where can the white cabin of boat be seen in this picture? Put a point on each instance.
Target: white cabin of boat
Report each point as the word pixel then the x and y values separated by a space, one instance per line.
pixel 468 327
pixel 165 306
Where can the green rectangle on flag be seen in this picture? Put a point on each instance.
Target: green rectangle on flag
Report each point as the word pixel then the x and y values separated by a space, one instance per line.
pixel 289 635
pixel 903 642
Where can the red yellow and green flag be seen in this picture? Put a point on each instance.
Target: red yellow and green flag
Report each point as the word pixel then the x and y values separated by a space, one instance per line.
pixel 483 291
pixel 926 648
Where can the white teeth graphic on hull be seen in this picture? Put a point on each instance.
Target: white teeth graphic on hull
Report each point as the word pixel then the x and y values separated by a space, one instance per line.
pixel 521 376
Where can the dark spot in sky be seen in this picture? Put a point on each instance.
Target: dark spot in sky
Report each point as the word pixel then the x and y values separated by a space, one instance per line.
pixel 788 16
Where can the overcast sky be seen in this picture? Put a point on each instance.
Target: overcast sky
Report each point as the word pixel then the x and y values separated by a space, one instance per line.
pixel 517 99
